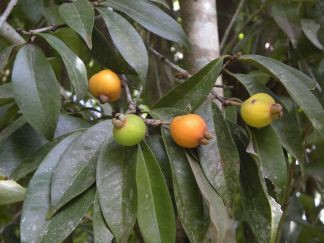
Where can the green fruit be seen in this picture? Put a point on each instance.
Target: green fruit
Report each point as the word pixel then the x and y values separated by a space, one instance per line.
pixel 129 130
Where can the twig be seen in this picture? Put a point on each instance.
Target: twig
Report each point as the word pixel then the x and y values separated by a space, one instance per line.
pixel 8 32
pixel 230 25
pixel 227 101
pixel 183 73
pixel 7 11
pixel 131 103
pixel 40 30
pixel 155 123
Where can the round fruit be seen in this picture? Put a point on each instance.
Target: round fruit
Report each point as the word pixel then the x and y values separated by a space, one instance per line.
pixel 129 129
pixel 105 85
pixel 260 110
pixel 189 131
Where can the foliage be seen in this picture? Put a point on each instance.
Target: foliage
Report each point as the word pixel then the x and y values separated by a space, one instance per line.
pixel 64 177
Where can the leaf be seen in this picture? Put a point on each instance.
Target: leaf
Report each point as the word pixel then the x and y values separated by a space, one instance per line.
pixel 217 210
pixel 67 124
pixel 219 159
pixel 166 113
pixel 32 78
pixel 19 146
pixel 271 157
pixel 287 17
pixel 127 40
pixel 4 57
pixel 9 130
pixel 11 192
pixel 100 229
pixel 6 91
pixel 34 227
pixel 186 192
pixel 310 28
pixel 154 207
pixel 286 128
pixel 162 2
pixel 116 187
pixel 75 67
pixel 33 9
pixel 191 93
pixel 76 169
pixel 79 16
pixel 150 17
pixel 293 82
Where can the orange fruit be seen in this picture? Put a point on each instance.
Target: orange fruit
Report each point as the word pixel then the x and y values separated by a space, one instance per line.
pixel 189 131
pixel 105 83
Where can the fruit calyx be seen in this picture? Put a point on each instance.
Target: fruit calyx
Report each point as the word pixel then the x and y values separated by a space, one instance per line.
pixel 207 137
pixel 276 111
pixel 119 120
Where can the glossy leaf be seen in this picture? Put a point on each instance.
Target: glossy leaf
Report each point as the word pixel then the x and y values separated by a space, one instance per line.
pixel 4 57
pixel 310 28
pixel 166 113
pixel 79 16
pixel 191 94
pixel 154 207
pixel 9 130
pixel 67 124
pixel 19 146
pixel 297 89
pixel 6 91
pixel 162 2
pixel 219 159
pixel 186 192
pixel 286 127
pixel 75 67
pixel 32 77
pixel 76 169
pixel 150 17
pixel 34 227
pixel 11 192
pixel 217 210
pixel 100 229
pixel 128 41
pixel 271 157
pixel 117 188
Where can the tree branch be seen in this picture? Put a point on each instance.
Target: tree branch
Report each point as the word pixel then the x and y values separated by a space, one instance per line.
pixel 8 32
pixel 131 103
pixel 184 73
pixel 7 11
pixel 230 25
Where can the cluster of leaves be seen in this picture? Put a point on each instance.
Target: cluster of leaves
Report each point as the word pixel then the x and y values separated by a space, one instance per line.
pixel 63 152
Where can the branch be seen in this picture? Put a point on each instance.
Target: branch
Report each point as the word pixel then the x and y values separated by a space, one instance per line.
pixel 131 103
pixel 40 30
pixel 7 12
pixel 229 27
pixel 8 32
pixel 184 73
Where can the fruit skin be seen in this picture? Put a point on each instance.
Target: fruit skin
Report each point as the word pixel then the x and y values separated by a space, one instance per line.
pixel 188 130
pixel 132 131
pixel 106 83
pixel 257 112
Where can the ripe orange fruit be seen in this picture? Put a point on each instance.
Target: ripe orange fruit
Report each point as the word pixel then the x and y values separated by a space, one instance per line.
pixel 105 85
pixel 189 131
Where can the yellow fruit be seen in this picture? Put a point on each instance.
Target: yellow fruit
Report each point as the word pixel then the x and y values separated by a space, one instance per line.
pixel 260 110
pixel 105 85
pixel 189 131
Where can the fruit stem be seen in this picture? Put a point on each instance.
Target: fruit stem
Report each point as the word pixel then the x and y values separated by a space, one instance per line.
pixel 103 99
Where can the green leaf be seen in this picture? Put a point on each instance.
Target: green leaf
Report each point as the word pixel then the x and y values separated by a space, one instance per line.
pixel 295 84
pixel 74 65
pixel 162 2
pixel 19 146
pixel 79 16
pixel 33 9
pixel 310 28
pixel 9 130
pixel 32 78
pixel 127 40
pixel 191 93
pixel 11 192
pixel 286 16
pixel 154 207
pixel 4 57
pixel 219 159
pixel 100 229
pixel 150 17
pixel 68 124
pixel 286 128
pixel 186 192
pixel 116 187
pixel 271 157
pixel 6 91
pixel 217 210
pixel 166 113
pixel 34 227
pixel 76 169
